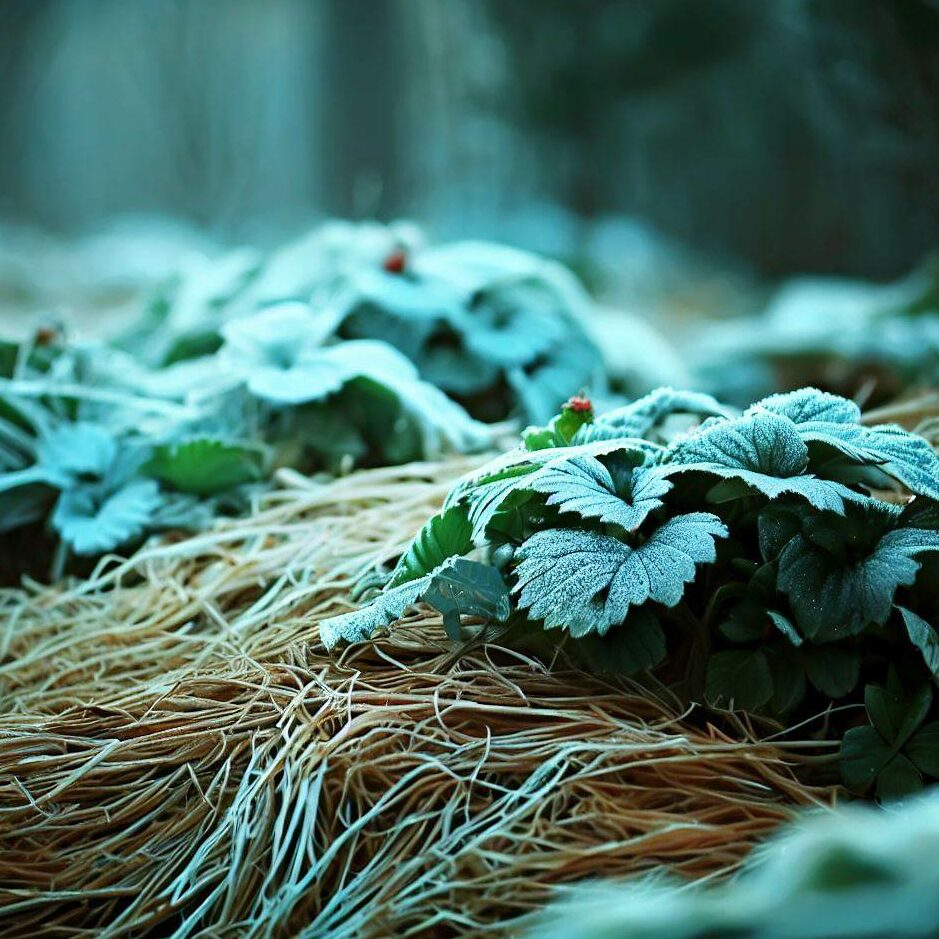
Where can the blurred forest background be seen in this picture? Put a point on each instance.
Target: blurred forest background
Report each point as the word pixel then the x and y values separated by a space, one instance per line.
pixel 796 135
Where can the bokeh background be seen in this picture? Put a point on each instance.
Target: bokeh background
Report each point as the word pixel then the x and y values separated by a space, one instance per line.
pixel 770 137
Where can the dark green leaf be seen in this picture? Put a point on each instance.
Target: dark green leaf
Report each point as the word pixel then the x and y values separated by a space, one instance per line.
pixel 832 598
pixel 918 705
pixel 789 685
pixel 833 669
pixel 886 706
pixel 924 637
pixel 923 749
pixel 633 646
pixel 739 679
pixel 446 535
pixel 864 753
pixel 205 466
pixel 777 525
pixel 898 779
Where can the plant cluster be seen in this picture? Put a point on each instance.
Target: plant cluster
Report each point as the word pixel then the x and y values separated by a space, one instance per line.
pixel 305 359
pixel 840 333
pixel 499 330
pixel 349 348
pixel 102 449
pixel 775 561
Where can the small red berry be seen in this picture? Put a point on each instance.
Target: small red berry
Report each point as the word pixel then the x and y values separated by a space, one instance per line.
pixel 46 335
pixel 394 263
pixel 579 404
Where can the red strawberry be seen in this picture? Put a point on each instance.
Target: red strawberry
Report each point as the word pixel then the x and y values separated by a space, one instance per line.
pixel 394 263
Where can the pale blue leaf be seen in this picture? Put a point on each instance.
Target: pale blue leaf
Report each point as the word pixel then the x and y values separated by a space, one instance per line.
pixel 455 587
pixel 359 625
pixel 583 485
pixel 760 442
pixel 76 449
pixel 638 418
pixel 810 404
pixel 905 456
pixel 92 520
pixel 785 627
pixel 762 450
pixel 487 490
pixel 586 582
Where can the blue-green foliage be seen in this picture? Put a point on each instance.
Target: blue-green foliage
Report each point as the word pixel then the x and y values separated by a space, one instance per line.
pixel 499 330
pixel 107 450
pixel 846 331
pixel 349 348
pixel 764 549
pixel 496 328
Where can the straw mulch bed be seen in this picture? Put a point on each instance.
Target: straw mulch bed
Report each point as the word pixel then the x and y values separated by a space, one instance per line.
pixel 180 756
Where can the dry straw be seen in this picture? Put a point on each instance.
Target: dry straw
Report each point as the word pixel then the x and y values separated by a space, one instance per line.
pixel 180 756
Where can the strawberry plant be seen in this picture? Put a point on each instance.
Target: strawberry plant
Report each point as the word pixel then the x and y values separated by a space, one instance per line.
pixel 102 449
pixel 844 333
pixel 350 347
pixel 770 560
pixel 498 330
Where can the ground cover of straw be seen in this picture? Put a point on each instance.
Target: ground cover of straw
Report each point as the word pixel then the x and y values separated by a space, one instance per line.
pixel 179 755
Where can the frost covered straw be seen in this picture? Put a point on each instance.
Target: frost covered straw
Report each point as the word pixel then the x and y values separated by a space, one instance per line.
pixel 176 747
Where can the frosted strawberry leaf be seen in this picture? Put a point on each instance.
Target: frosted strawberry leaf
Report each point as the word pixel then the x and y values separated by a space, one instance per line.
pixel 586 582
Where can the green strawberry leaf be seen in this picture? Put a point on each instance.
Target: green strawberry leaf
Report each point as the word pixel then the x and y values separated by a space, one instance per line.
pixel 787 668
pixel 205 466
pixel 864 753
pixel 923 749
pixel 636 645
pixel 445 535
pixel 833 596
pixel 833 669
pixel 741 679
pixel 898 779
